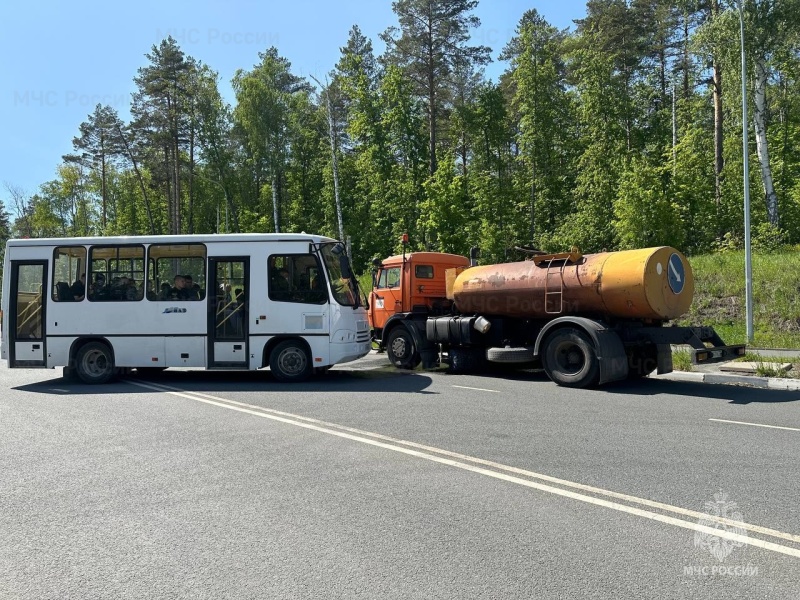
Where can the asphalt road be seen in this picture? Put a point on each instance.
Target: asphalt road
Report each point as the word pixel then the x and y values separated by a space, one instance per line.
pixel 371 483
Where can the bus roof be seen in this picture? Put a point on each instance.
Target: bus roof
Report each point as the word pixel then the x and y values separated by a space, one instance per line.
pixel 172 239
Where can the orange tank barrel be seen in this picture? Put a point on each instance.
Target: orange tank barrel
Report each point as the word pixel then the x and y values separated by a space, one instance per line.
pixel 647 283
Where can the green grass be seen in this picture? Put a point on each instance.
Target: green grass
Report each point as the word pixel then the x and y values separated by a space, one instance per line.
pixel 764 366
pixel 682 360
pixel 719 298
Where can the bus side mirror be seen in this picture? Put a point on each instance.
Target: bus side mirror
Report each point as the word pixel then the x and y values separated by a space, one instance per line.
pixel 344 265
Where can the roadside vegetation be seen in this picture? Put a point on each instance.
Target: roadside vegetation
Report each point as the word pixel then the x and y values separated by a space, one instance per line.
pixel 719 299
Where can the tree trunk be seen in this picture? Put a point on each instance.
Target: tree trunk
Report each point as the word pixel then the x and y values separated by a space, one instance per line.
pixel 168 180
pixel 275 211
pixel 141 181
pixel 716 80
pixel 686 63
pixel 533 201
pixel 191 182
pixel 719 161
pixel 431 101
pixel 103 190
pixel 335 164
pixel 177 185
pixel 760 121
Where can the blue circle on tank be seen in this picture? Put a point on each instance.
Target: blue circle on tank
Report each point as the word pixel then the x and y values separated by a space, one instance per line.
pixel 676 274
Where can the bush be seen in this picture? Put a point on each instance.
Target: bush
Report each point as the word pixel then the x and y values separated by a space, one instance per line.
pixel 768 237
pixel 730 242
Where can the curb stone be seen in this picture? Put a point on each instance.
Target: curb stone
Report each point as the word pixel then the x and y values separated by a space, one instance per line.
pixel 740 380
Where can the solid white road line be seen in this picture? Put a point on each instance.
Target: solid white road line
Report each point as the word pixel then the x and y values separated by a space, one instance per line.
pixel 431 453
pixel 755 424
pixel 463 387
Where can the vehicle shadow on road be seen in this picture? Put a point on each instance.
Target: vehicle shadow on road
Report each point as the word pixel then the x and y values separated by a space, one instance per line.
pixel 334 381
pixel 732 393
pixel 653 387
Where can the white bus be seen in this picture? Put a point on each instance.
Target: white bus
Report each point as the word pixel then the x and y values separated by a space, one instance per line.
pixel 101 305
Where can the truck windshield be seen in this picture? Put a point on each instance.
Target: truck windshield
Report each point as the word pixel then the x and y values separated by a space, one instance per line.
pixel 343 283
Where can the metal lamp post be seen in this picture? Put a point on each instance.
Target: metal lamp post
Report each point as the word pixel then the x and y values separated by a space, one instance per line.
pixel 748 264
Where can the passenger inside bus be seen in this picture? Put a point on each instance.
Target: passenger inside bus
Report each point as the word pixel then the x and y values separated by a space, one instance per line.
pixel 280 280
pixel 63 292
pixel 124 289
pixel 280 284
pixel 193 291
pixel 78 289
pixel 178 290
pixel 97 290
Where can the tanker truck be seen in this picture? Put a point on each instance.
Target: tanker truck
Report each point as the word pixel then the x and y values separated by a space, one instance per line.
pixel 585 319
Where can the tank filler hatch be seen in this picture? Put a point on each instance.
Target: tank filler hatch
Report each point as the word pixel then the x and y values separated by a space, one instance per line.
pixel 554 278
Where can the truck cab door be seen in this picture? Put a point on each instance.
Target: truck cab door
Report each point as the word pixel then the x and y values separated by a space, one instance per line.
pixel 387 297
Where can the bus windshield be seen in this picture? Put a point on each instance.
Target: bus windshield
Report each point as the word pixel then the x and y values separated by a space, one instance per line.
pixel 343 284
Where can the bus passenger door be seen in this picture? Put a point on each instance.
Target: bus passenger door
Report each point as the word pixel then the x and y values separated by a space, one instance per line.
pixel 228 295
pixel 27 306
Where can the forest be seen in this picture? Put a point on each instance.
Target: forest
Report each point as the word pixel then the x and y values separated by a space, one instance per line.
pixel 623 131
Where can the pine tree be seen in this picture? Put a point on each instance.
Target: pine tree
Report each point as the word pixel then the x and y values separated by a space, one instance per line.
pixel 160 111
pixel 97 147
pixel 263 108
pixel 430 45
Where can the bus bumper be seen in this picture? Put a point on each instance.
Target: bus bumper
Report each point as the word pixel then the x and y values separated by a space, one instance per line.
pixel 348 352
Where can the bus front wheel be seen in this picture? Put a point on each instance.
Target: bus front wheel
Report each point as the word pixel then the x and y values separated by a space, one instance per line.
pixel 94 363
pixel 290 362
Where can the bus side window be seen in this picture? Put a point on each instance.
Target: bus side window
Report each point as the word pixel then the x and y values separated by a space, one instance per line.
pixel 296 278
pixel 176 272
pixel 69 264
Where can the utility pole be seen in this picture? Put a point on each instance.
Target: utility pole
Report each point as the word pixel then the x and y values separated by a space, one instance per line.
pixel 748 264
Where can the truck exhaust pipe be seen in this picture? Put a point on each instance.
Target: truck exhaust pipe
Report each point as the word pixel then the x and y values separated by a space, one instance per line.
pixel 474 255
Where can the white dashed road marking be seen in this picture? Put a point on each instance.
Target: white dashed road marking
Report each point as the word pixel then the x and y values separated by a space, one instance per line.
pixel 755 424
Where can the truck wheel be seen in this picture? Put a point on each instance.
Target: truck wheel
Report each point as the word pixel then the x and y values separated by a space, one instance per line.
pixel 400 349
pixel 570 359
pixel 94 363
pixel 642 360
pixel 290 362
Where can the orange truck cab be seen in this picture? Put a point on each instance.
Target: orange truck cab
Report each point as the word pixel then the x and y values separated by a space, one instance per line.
pixel 406 290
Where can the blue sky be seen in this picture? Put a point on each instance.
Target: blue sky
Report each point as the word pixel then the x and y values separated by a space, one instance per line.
pixel 59 59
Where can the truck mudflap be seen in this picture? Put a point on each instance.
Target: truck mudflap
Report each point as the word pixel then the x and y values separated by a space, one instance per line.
pixel 707 346
pixel 611 357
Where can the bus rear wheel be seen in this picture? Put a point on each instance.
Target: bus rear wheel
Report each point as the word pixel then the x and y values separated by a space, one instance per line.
pixel 94 363
pixel 290 362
